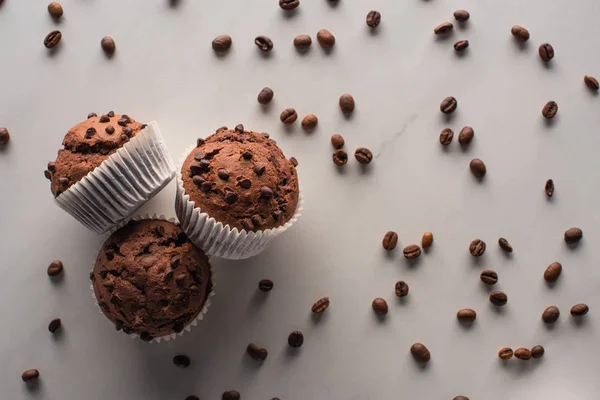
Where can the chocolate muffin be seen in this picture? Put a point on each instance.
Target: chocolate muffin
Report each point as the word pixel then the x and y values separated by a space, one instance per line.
pixel 242 179
pixel 149 279
pixel 87 145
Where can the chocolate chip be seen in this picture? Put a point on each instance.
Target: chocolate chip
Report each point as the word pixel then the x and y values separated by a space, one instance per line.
pixel 245 183
pixel 104 118
pixel 196 169
pixel 277 214
pixel 127 131
pixel 199 142
pixel 124 137
pixel 51 166
pixel 90 132
pixel 54 325
pixel 180 279
pixel 206 186
pixel 239 128
pixel 119 324
pixel 223 174
pixel 231 197
pixel 266 192
pixel 199 155
pixel 247 224
pixel 123 121
pixel 221 129
pixel 259 169
pixel 195 290
pixel 114 299
pixel 256 220
pixel 197 180
pixel 109 285
pixel 109 129
pixel 265 285
pixel 169 276
pixel 294 161
pixel 92 115
pixel 47 174
pixel 175 262
pixel 64 182
pixel 110 114
pixel 247 155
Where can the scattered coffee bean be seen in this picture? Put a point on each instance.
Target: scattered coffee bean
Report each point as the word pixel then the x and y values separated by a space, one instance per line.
pixel 52 39
pixel 466 315
pixel 4 136
pixel 523 354
pixel 288 116
pixel 550 109
pixel 446 137
pixel 380 306
pixel 108 45
pixel 192 397
pixel 461 398
pixel 477 247
pixel 289 4
pixel 302 42
pixel 478 168
pixel 443 28
pixel 54 325
pixel 265 96
pixel 221 43
pixel 264 43
pixel 504 245
pixel 337 141
pixel 546 52
pixel 30 375
pixel 321 305
pixel 347 103
pixel 579 310
pixel 401 288
pixel 488 277
pixel 325 39
pixel 340 157
pixel 520 33
pixel 363 155
pixel 390 240
pixel 573 235
pixel 231 395
pixel 373 19
pixel 265 285
pixel 461 15
pixel 550 315
pixel 412 251
pixel 55 10
pixel 420 353
pixel 591 82
pixel 505 353
pixel 537 351
pixel 549 187
pixel 498 298
pixel 461 45
pixel 466 136
pixel 427 240
pixel 552 272
pixel 256 352
pixel 55 268
pixel 296 339
pixel 448 105
pixel 181 361
pixel 310 122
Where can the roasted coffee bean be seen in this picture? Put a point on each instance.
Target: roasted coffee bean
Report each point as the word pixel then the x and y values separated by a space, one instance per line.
pixel 488 277
pixel 30 375
pixel 477 247
pixel 337 141
pixel 380 306
pixel 302 42
pixel 550 315
pixel 461 15
pixel 523 354
pixel 325 39
pixel 573 235
pixel 192 397
pixel 552 272
pixel 461 45
pixel 52 39
pixel 537 351
pixel 265 285
pixel 363 155
pixel 412 251
pixel 265 96
pixel 448 105
pixel 55 268
pixel 505 353
pixel 546 52
pixel 498 298
pixel 478 168
pixel 108 45
pixel 549 187
pixel 579 310
pixel 446 136
pixel 221 43
pixel 420 353
pixel 466 136
pixel 256 352
pixel 55 10
pixel 296 339
pixel 443 28
pixel 321 305
pixel 373 19
pixel 310 122
pixel 231 395
pixel 264 43
pixel 427 240
pixel 520 33
pixel 340 157
pixel 591 82
pixel 4 136
pixel 288 116
pixel 289 4
pixel 401 288
pixel 390 240
pixel 54 325
pixel 347 103
pixel 504 245
pixel 550 109
pixel 181 361
pixel 466 315
pixel 461 398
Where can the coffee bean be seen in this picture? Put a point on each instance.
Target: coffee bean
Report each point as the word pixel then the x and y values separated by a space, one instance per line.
pixel 520 33
pixel 461 398
pixel 546 52
pixel 310 122
pixel 466 315
pixel 231 395
pixel 573 235
pixel 265 285
pixel 192 397
pixel 296 339
pixel 54 325
pixel 4 136
pixel 420 353
pixel 55 10
pixel 591 82
pixel 488 277
pixel 373 19
pixel 347 103
pixel 466 136
pixel 537 351
pixel 504 245
pixel 321 305
pixel 477 247
pixel 461 15
pixel 505 353
pixel 478 168
pixel 380 306
pixel 443 28
pixel 30 375
pixel 549 187
pixel 181 361
pixel 289 4
pixel 337 141
pixel 579 310
pixel 340 157
pixel 390 240
pixel 221 43
pixel 401 288
pixel 55 268
pixel 288 116
pixel 412 251
pixel 498 298
pixel 550 109
pixel 550 315
pixel 523 354
pixel 52 39
pixel 256 352
pixel 448 105
pixel 264 43
pixel 265 96
pixel 446 136
pixel 427 240
pixel 461 45
pixel 552 272
pixel 325 39
pixel 302 42
pixel 108 45
pixel 363 155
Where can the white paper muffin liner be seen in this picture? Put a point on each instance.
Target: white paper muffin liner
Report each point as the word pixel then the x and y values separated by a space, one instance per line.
pixel 215 238
pixel 207 303
pixel 122 183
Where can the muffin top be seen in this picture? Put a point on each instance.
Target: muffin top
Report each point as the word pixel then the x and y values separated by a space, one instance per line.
pixel 87 145
pixel 149 279
pixel 242 179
